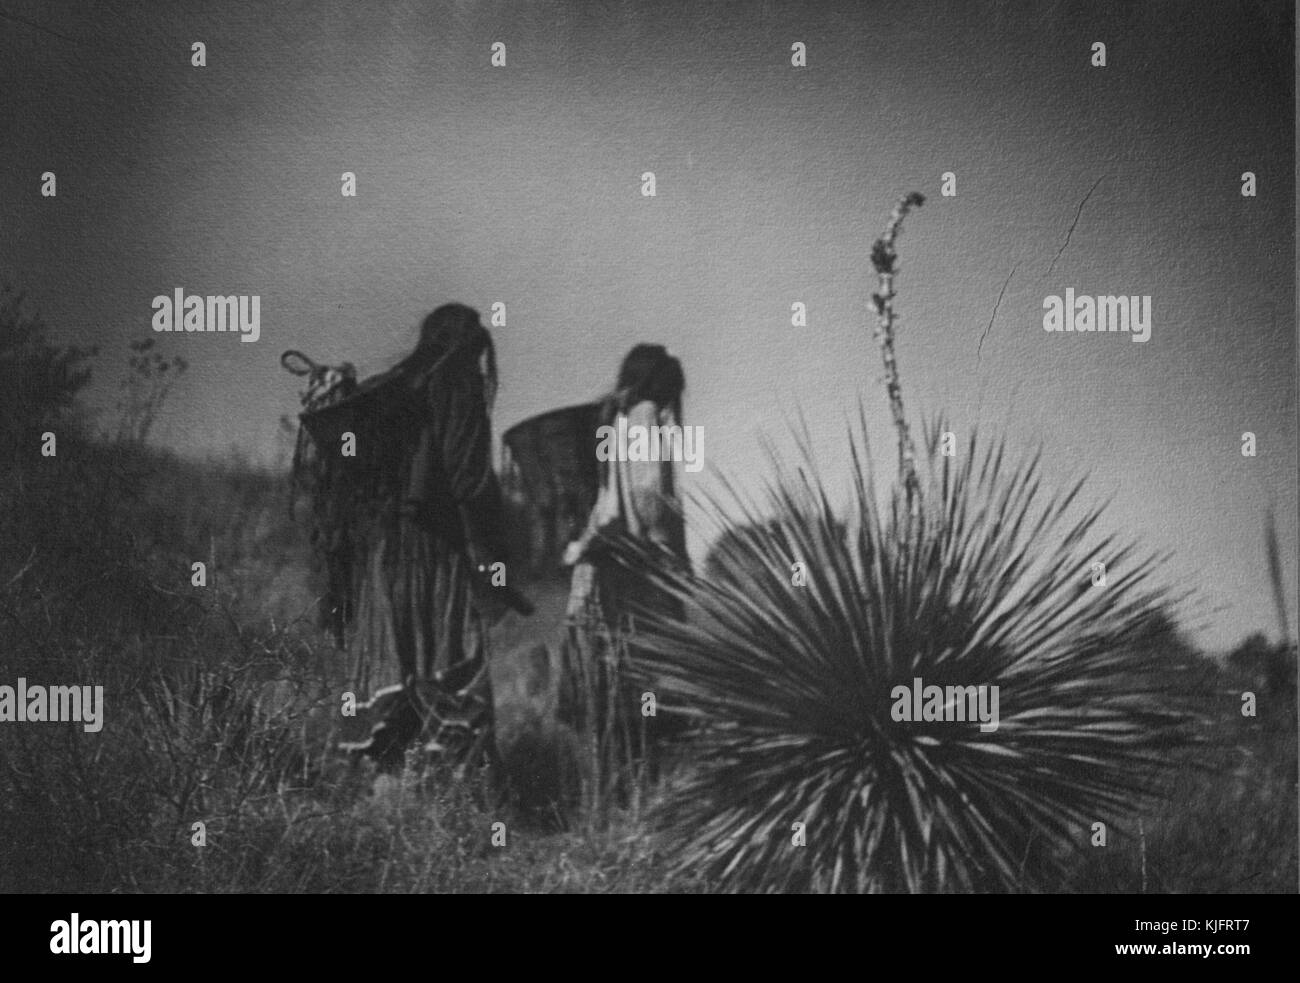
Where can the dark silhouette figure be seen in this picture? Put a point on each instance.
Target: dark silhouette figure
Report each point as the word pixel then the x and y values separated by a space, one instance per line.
pixel 430 533
pixel 636 499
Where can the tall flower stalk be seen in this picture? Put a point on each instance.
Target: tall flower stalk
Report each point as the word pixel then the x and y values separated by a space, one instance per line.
pixel 884 258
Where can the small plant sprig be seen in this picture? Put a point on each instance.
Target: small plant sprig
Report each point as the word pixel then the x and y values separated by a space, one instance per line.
pixel 145 389
pixel 883 258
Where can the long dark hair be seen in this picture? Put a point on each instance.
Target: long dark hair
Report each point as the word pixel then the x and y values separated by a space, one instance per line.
pixel 647 372
pixel 453 337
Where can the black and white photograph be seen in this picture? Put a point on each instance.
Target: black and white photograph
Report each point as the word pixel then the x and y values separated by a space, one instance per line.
pixel 629 448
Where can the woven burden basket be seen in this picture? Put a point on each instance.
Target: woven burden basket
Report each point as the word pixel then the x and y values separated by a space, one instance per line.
pixel 551 464
pixel 377 414
pixel 378 404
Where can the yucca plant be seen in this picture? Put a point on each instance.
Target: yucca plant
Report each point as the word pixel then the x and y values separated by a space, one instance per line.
pixel 808 621
pixel 791 684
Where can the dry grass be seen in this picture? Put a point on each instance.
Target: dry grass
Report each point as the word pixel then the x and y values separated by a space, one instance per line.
pixel 220 706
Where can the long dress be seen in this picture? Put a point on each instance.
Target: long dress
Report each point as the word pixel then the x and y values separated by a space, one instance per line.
pixel 423 613
pixel 637 498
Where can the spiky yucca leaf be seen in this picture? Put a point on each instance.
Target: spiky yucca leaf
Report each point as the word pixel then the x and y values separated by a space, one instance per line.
pixel 989 584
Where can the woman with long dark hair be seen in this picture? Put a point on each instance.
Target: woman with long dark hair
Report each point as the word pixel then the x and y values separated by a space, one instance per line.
pixel 636 499
pixel 433 534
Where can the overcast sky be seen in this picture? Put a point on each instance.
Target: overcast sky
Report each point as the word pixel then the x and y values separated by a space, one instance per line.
pixel 522 184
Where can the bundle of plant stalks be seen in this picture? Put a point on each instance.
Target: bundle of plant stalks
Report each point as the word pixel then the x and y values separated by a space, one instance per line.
pixel 602 710
pixel 794 649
